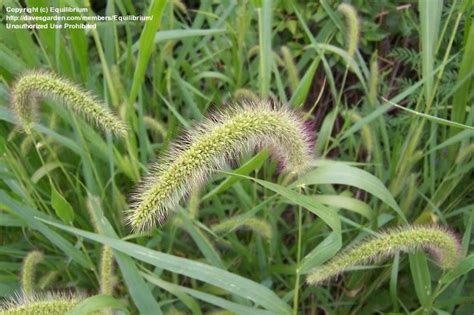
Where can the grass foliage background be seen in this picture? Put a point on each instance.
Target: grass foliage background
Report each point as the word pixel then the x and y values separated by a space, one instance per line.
pixel 379 165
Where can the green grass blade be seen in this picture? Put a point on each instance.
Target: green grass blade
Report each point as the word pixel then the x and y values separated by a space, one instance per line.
pixel 464 267
pixel 205 297
pixel 27 214
pixel 253 164
pixel 146 43
pixel 348 203
pixel 140 292
pixel 176 290
pixel 326 214
pixel 430 16
pixel 338 173
pixel 265 46
pixel 421 277
pixel 432 118
pixel 461 96
pixel 238 285
pixel 202 241
pixel 321 253
pixel 96 303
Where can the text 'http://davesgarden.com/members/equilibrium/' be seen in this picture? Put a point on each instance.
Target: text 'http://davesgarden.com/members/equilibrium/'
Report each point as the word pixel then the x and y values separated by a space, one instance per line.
pixel 53 17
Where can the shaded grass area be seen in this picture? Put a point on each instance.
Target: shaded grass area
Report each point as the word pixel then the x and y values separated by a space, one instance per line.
pixel 378 166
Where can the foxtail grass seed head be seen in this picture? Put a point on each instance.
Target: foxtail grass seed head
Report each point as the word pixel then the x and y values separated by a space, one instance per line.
pixel 107 278
pixel 439 241
pixel 366 133
pixel 291 68
pixel 193 203
pixel 245 94
pixel 259 226
pixel 207 148
pixel 352 22
pixel 374 78
pixel 28 270
pixel 31 87
pixel 47 279
pixel 35 304
pixel 106 265
pixel 465 153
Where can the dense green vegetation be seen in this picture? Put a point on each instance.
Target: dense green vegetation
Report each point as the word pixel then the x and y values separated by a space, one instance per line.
pixel 388 95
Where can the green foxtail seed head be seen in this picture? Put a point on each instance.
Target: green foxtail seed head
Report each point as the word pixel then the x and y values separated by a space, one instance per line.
pixel 353 27
pixel 442 243
pixel 106 265
pixel 291 68
pixel 366 133
pixel 374 78
pixel 207 148
pixel 34 304
pixel 259 226
pixel 193 203
pixel 28 272
pixel 245 94
pixel 31 87
pixel 107 278
pixel 47 279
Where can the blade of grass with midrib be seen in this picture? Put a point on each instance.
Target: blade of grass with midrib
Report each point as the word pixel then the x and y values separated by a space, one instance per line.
pixel 140 292
pixel 265 46
pixel 146 44
pixel 233 283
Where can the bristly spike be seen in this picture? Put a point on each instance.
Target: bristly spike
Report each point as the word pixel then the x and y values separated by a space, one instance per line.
pixel 48 303
pixel 437 240
pixel 107 278
pixel 31 87
pixel 258 226
pixel 28 270
pixel 208 147
pixel 353 27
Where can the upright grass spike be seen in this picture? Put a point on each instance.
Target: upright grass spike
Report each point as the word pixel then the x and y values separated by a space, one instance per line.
pixel 374 78
pixel 352 22
pixel 106 271
pixel 442 243
pixel 209 146
pixel 366 134
pixel 35 304
pixel 28 271
pixel 193 203
pixel 106 265
pixel 31 87
pixel 291 69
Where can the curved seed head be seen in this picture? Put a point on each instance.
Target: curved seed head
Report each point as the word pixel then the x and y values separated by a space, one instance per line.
pixel 353 27
pixel 49 303
pixel 207 148
pixel 442 243
pixel 259 226
pixel 31 87
pixel 28 271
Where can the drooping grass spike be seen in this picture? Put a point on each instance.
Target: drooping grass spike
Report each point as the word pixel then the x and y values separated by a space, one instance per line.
pixel 259 226
pixel 208 147
pixel 439 241
pixel 31 87
pixel 34 304
pixel 28 270
pixel 352 22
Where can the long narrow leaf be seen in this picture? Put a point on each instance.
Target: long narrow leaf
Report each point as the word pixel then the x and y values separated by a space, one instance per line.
pixel 235 284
